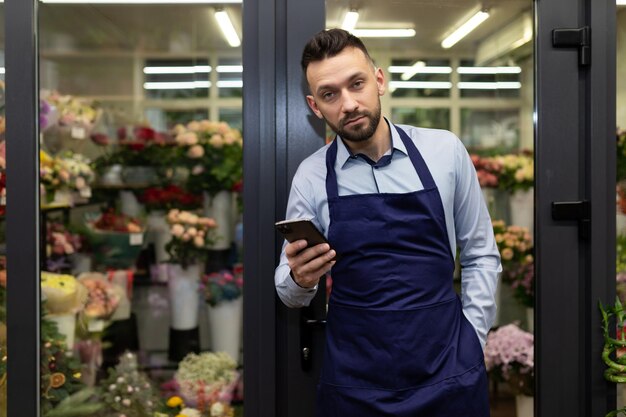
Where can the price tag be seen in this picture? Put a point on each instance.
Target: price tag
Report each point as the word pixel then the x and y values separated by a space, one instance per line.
pixel 95 325
pixel 136 239
pixel 79 132
pixel 85 192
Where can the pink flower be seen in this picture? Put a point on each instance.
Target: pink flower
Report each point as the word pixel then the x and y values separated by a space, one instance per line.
pixel 195 152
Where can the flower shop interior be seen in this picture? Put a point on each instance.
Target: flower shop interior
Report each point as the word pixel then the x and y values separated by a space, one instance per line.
pixel 141 167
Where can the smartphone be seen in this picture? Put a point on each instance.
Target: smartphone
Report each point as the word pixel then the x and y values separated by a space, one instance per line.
pixel 296 229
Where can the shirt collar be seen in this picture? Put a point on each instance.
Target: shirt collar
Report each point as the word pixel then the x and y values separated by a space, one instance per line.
pixel 344 154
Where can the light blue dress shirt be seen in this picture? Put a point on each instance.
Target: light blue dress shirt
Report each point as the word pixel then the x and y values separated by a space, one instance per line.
pixel 467 219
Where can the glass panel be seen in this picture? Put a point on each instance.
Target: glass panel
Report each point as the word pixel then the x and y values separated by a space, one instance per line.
pixel 141 165
pixel 431 118
pixel 494 130
pixel 621 185
pixel 481 89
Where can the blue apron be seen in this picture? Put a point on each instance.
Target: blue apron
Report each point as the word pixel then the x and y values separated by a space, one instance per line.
pixel 397 342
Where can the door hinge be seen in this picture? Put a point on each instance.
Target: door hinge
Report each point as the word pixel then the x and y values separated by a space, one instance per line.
pixel 574 211
pixel 575 38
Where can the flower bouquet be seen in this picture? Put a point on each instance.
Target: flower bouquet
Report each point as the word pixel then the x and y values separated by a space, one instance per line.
pixel 222 286
pixel 516 250
pixel 74 119
pixel 103 297
pixel 206 379
pixel 64 174
pixel 191 237
pixel 517 172
pixel 64 297
pixel 169 197
pixel 488 171
pixel 509 357
pixel 213 152
pixel 116 239
pixel 60 245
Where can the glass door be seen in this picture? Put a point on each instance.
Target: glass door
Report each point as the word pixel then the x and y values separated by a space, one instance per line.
pixel 141 160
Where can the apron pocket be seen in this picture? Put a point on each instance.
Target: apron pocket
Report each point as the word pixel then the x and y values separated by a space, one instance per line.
pixel 398 349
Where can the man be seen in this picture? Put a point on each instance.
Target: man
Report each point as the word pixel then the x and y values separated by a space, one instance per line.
pixel 393 202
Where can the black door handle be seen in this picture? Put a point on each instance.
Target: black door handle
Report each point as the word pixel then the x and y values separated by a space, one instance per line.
pixel 307 327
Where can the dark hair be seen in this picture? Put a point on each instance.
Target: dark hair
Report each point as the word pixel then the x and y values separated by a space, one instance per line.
pixel 329 43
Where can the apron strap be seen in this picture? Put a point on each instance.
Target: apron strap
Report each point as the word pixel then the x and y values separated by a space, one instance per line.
pixel 416 158
pixel 418 162
pixel 331 176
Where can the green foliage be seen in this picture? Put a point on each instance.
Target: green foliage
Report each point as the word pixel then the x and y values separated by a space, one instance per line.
pixel 60 369
pixel 129 392
pixel 82 403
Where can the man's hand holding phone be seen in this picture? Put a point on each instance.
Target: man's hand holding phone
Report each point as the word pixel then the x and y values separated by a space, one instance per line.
pixel 308 252
pixel 308 265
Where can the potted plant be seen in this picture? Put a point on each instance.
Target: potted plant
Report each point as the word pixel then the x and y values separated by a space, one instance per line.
pixel 509 357
pixel 188 248
pixel 223 292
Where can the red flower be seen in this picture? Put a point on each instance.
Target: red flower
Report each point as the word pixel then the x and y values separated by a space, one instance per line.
pixel 238 187
pixel 144 134
pixel 99 139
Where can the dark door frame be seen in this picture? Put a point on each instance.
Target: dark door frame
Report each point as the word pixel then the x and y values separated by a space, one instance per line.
pixel 279 133
pixel 22 215
pixel 575 160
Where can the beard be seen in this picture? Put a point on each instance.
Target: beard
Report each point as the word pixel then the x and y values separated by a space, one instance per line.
pixel 357 133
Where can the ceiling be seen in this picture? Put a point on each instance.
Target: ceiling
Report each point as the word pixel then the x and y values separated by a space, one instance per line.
pixel 178 28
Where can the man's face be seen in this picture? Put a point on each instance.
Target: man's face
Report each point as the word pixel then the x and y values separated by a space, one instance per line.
pixel 345 91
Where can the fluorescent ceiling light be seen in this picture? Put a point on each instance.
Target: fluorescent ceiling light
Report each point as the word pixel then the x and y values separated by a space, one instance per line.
pixel 489 70
pixel 190 85
pixel 229 68
pixel 227 28
pixel 490 86
pixel 414 69
pixel 440 85
pixel 142 1
pixel 230 84
pixel 463 30
pixel 384 33
pixel 196 69
pixel 621 2
pixel 349 21
pixel 400 69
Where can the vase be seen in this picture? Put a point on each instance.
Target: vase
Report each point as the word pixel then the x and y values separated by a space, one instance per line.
pixel 184 297
pixel 63 197
pixel 66 324
pixel 139 176
pixel 522 206
pixel 222 208
pixel 524 406
pixel 225 323
pixel 130 206
pixel 530 319
pixel 112 175
pixel 159 234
